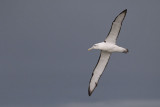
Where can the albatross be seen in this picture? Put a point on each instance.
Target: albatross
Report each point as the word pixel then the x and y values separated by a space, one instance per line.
pixel 106 48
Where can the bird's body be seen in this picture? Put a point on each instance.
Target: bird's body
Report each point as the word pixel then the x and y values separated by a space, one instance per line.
pixel 107 47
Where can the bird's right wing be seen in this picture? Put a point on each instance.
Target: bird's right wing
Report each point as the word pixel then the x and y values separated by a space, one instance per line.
pixel 101 64
pixel 116 27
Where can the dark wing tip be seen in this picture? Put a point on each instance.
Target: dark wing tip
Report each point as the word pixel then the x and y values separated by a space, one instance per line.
pixel 125 11
pixel 89 91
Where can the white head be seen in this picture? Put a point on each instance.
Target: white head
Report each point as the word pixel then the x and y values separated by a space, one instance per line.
pixel 95 46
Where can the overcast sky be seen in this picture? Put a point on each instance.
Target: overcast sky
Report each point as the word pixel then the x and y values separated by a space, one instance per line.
pixel 44 60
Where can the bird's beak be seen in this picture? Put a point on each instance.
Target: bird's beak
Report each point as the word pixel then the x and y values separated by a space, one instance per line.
pixel 90 49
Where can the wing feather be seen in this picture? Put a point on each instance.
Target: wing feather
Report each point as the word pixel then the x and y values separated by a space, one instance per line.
pixel 116 27
pixel 98 70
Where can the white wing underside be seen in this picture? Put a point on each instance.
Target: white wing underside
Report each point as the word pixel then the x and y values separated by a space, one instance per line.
pixel 102 62
pixel 116 27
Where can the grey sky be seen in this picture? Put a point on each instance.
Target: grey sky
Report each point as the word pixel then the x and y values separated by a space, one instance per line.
pixel 44 59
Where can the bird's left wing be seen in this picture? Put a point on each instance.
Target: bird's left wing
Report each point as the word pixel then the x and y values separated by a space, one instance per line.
pixel 101 64
pixel 116 27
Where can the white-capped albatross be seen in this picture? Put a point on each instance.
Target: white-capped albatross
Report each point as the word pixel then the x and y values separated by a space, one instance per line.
pixel 107 47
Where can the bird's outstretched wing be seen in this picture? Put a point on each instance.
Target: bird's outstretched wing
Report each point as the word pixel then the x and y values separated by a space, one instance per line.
pixel 116 27
pixel 101 64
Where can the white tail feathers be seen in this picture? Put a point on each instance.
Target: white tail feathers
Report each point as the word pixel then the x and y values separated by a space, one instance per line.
pixel 126 51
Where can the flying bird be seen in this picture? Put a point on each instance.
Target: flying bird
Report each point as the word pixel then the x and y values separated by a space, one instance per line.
pixel 106 48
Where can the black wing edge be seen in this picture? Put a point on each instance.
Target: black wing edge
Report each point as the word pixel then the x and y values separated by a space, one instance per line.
pixel 89 91
pixel 124 11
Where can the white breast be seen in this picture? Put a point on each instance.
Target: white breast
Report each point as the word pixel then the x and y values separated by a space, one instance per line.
pixel 109 47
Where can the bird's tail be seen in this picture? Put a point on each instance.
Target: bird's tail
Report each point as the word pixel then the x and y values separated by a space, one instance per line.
pixel 126 51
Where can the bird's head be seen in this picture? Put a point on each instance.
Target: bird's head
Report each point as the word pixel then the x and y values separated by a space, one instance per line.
pixel 95 46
